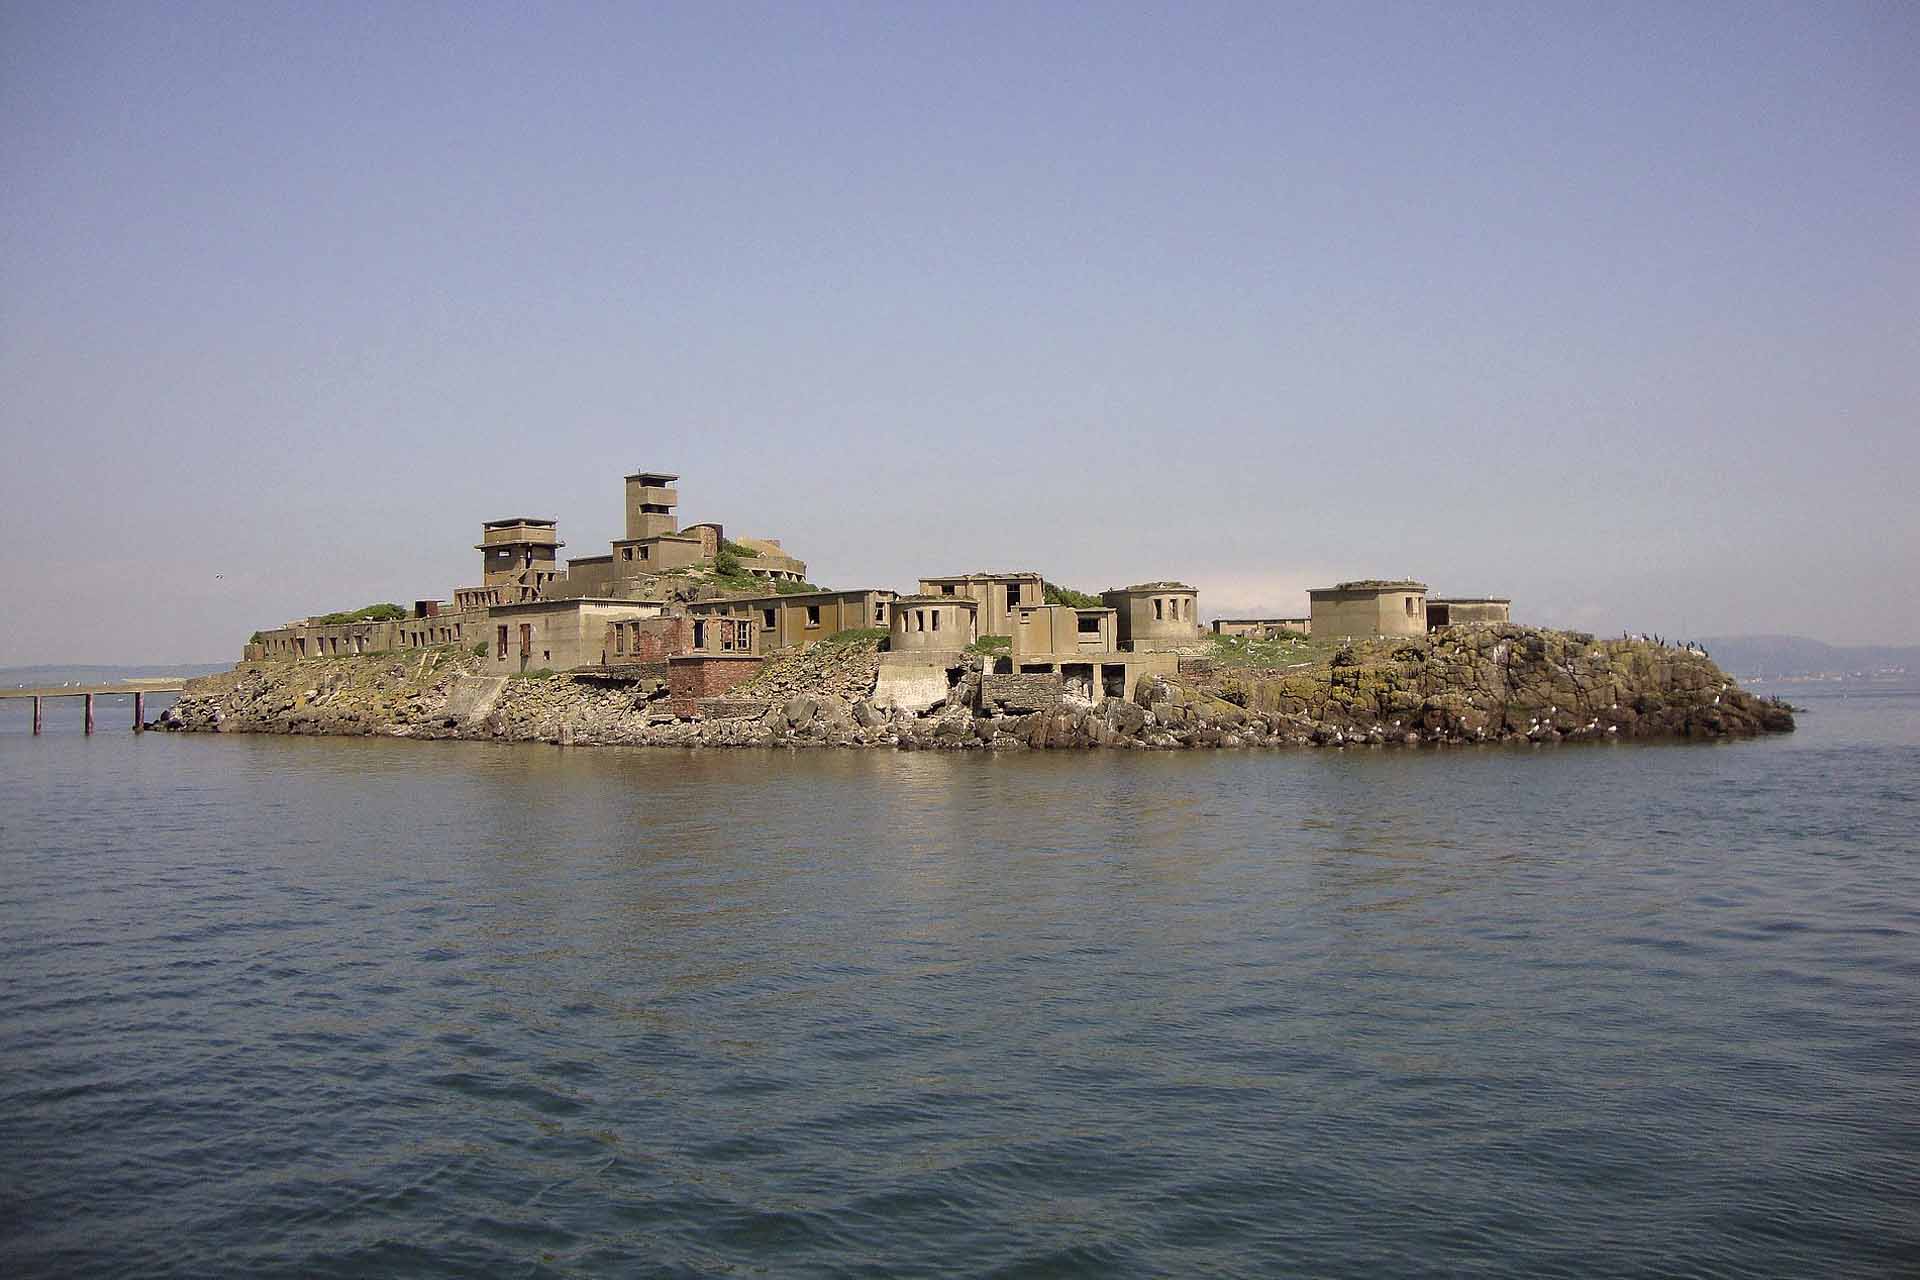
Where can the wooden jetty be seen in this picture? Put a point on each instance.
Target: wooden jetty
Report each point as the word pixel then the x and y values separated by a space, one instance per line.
pixel 138 688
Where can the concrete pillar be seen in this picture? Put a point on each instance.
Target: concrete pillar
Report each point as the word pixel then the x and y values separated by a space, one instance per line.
pixel 36 714
pixel 139 713
pixel 89 713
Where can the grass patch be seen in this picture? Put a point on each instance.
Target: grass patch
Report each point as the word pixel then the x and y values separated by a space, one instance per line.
pixel 543 673
pixel 991 644
pixel 1250 651
pixel 854 638
pixel 785 588
pixel 366 613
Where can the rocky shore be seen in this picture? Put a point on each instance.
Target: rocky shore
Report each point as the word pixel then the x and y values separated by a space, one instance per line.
pixel 1472 684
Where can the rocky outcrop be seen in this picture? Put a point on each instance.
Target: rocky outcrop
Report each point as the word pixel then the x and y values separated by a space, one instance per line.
pixel 1469 684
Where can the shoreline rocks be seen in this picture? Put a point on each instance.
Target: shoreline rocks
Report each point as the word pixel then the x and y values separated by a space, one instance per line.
pixel 1491 683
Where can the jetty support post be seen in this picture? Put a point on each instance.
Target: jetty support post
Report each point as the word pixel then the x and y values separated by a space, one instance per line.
pixel 139 713
pixel 89 713
pixel 36 715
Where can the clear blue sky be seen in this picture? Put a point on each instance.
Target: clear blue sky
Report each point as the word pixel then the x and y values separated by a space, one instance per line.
pixel 1611 308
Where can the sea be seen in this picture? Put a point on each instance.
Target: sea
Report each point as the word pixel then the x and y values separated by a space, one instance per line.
pixel 360 1007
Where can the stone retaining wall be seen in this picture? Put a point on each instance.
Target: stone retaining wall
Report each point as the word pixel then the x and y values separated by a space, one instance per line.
pixel 1034 691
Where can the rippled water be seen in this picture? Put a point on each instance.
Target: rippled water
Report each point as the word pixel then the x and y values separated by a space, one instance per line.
pixel 316 1007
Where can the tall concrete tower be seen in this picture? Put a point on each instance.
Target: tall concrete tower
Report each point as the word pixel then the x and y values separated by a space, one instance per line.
pixel 651 499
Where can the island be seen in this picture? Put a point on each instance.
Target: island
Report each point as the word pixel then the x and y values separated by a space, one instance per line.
pixel 686 637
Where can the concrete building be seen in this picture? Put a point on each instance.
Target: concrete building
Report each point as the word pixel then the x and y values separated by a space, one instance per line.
pixel 1081 647
pixel 997 594
pixel 766 558
pixel 796 621
pixel 1369 607
pixel 1263 628
pixel 933 624
pixel 1453 610
pixel 556 635
pixel 518 556
pixel 1154 615
pixel 644 641
pixel 1050 631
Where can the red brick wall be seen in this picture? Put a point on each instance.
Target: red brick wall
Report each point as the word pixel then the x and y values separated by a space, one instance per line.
pixel 694 676
pixel 660 639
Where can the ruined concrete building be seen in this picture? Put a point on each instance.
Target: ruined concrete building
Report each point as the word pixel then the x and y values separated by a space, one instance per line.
pixel 1395 607
pixel 1262 628
pixel 665 606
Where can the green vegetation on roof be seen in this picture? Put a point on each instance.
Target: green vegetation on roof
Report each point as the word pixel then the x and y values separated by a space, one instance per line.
pixel 1068 596
pixel 367 613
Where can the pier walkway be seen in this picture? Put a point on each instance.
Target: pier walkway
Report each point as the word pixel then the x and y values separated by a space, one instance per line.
pixel 138 688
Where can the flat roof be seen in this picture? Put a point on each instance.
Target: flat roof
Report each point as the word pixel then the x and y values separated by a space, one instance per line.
pixel 513 520
pixel 796 595
pixel 925 598
pixel 572 602
pixel 980 573
pixel 1260 619
pixel 1469 600
pixel 663 477
pixel 1152 586
pixel 1374 584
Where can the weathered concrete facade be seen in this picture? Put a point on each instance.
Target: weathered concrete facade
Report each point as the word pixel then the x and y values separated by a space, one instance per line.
pixel 518 555
pixel 1448 611
pixel 1155 615
pixel 997 594
pixel 1370 607
pixel 799 620
pixel 1082 648
pixel 1054 631
pixel 556 635
pixel 933 623
pixel 1263 628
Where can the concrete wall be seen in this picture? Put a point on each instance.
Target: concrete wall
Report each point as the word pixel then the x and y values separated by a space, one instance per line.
pixel 797 621
pixel 656 555
pixel 923 624
pixel 1262 628
pixel 1452 613
pixel 643 523
pixel 996 593
pixel 1155 617
pixel 1055 629
pixel 559 635
pixel 508 568
pixel 1093 676
pixel 1388 611
pixel 587 576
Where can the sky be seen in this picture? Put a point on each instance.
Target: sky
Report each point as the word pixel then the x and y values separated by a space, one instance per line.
pixel 1610 308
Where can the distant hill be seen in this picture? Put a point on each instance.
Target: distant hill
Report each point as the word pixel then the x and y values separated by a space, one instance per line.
pixel 1801 656
pixel 18 676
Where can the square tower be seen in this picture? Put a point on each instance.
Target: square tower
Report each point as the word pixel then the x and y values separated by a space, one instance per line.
pixel 513 547
pixel 651 499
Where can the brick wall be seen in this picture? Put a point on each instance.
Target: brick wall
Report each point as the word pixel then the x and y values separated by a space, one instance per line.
pixel 691 677
pixel 657 640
